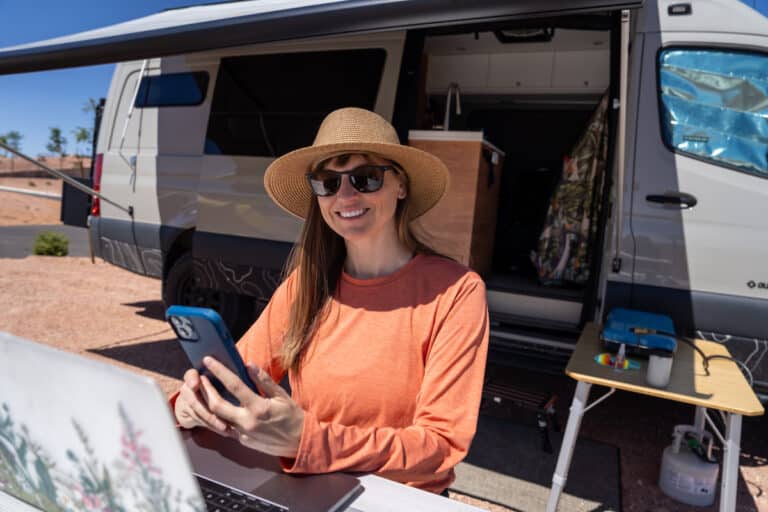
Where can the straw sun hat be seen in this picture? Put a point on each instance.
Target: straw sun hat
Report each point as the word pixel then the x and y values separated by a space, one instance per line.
pixel 355 130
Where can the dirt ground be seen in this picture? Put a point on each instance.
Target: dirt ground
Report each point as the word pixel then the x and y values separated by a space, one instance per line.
pixel 23 209
pixel 107 313
pixel 73 165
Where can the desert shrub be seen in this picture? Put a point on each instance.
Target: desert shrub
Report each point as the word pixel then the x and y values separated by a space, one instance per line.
pixel 32 184
pixel 49 243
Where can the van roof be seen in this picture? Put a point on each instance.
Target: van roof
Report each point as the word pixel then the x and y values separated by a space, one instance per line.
pixel 227 24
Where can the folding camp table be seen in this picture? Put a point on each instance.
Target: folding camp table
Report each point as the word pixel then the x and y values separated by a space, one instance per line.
pixel 725 389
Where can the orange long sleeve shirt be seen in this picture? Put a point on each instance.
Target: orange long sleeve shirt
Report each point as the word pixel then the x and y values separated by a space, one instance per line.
pixel 391 381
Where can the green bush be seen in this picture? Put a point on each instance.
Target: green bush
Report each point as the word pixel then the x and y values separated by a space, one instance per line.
pixel 49 243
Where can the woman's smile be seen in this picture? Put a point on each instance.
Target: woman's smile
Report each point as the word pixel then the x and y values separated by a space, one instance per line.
pixel 352 214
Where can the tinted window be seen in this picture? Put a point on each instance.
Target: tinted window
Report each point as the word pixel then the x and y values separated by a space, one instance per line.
pixel 268 105
pixel 173 90
pixel 714 106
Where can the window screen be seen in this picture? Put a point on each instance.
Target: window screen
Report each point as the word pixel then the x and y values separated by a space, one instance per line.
pixel 714 106
pixel 172 90
pixel 268 105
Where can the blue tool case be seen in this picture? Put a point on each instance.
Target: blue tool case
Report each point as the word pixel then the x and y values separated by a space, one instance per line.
pixel 643 333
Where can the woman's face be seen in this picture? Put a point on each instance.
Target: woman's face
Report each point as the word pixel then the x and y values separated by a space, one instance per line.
pixel 357 216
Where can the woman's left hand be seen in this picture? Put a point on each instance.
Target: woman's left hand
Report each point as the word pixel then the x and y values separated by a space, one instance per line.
pixel 271 424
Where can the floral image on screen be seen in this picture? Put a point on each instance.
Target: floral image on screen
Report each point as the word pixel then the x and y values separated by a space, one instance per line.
pixel 130 483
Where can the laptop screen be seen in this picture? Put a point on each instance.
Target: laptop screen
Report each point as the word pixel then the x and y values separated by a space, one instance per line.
pixel 79 434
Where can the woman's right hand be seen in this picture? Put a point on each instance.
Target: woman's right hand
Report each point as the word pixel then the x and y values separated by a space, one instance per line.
pixel 191 409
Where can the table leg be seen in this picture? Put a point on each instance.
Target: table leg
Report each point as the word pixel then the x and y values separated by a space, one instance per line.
pixel 699 422
pixel 569 442
pixel 730 478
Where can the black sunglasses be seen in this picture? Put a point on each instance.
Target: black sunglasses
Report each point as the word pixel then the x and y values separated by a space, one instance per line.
pixel 364 178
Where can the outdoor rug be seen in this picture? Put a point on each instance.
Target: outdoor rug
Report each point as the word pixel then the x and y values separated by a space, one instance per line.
pixel 507 465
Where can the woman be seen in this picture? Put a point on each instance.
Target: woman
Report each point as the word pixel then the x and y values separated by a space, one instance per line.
pixel 384 342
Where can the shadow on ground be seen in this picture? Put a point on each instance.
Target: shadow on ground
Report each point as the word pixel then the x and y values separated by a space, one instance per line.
pixel 153 309
pixel 507 465
pixel 164 356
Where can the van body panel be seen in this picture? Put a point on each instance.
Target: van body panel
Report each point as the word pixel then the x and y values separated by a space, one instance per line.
pixel 116 244
pixel 252 267
pixel 707 17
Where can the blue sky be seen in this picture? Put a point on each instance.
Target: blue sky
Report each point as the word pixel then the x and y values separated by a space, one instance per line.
pixel 32 102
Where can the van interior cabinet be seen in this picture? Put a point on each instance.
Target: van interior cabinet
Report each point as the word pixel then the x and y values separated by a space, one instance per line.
pixel 463 224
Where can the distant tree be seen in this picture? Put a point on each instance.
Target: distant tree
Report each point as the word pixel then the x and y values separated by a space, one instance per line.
pixel 4 140
pixel 90 106
pixel 13 140
pixel 82 135
pixel 57 144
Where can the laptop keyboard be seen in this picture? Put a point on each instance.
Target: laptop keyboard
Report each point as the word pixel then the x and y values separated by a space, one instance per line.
pixel 220 498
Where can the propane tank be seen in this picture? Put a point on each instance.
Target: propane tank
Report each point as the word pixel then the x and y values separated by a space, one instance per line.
pixel 687 476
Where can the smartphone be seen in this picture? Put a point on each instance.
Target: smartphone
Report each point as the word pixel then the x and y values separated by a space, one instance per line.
pixel 202 332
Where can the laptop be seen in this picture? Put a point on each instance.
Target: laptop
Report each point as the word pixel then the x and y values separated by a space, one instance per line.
pixel 80 434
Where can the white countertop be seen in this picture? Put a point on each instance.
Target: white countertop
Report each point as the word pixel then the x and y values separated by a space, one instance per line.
pixel 452 135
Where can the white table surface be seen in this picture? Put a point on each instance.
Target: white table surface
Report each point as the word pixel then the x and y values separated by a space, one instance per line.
pixel 382 495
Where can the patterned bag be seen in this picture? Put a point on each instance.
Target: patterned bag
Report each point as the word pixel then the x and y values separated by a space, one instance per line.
pixel 564 251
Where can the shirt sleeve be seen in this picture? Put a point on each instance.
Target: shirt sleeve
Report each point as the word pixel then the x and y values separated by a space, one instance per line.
pixel 445 419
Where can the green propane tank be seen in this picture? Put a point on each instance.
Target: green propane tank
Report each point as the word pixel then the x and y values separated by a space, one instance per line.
pixel 686 476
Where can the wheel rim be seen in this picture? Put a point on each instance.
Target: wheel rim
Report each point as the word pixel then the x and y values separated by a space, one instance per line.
pixel 191 294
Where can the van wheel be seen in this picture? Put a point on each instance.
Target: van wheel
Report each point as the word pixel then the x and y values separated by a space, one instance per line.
pixel 181 286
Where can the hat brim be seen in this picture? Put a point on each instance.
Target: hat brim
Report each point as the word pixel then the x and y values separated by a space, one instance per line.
pixel 287 185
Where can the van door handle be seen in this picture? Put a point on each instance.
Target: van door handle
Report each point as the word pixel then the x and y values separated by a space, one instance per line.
pixel 680 199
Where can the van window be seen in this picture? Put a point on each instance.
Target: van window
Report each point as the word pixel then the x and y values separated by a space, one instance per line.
pixel 268 105
pixel 714 106
pixel 172 90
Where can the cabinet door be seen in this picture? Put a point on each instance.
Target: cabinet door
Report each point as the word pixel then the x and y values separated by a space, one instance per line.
pixel 700 186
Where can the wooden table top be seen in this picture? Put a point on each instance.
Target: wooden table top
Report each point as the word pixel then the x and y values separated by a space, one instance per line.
pixel 725 387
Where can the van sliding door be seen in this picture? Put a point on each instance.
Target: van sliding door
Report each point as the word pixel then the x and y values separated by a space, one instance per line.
pixel 700 186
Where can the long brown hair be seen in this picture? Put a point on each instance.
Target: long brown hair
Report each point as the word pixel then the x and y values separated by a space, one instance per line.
pixel 318 259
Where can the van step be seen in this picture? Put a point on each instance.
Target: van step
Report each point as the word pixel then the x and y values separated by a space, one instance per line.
pixel 533 325
pixel 545 350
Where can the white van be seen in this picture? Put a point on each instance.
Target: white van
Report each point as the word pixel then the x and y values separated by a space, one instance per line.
pixel 677 223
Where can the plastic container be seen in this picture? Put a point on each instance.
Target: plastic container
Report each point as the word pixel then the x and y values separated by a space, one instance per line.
pixel 659 369
pixel 684 476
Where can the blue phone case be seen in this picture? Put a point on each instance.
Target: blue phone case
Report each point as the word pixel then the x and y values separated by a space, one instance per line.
pixel 202 332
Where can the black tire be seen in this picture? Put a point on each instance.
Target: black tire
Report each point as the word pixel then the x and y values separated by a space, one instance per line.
pixel 181 286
